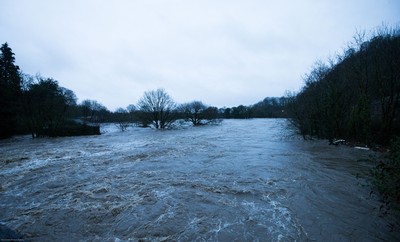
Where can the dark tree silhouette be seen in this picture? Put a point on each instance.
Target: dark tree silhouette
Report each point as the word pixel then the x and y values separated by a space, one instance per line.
pixel 93 111
pixel 241 112
pixel 157 108
pixel 211 114
pixel 355 96
pixel 46 105
pixel 10 90
pixel 122 118
pixel 198 113
pixel 194 112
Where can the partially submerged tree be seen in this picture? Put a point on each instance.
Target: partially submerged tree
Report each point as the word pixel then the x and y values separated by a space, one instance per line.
pixel 194 112
pixel 211 114
pixel 157 108
pixel 45 106
pixel 198 113
pixel 123 119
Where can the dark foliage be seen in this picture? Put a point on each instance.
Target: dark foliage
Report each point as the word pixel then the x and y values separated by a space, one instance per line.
pixel 354 97
pixel 10 92
pixel 210 114
pixel 45 106
pixel 72 128
pixel 92 111
pixel 198 113
pixel 386 175
pixel 270 107
pixel 38 106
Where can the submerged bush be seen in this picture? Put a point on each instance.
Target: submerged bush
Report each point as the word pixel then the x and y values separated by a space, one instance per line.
pixel 70 129
pixel 386 175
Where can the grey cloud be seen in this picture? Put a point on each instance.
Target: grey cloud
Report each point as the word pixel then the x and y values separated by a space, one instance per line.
pixel 222 52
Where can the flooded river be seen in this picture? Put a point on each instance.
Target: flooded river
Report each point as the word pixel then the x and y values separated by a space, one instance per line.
pixel 242 180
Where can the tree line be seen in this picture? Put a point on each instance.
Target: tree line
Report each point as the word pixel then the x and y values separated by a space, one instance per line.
pixel 270 107
pixel 355 95
pixel 41 107
pixel 157 109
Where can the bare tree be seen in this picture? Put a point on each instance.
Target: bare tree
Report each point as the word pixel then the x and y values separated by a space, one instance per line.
pixel 122 119
pixel 93 111
pixel 198 113
pixel 158 109
pixel 131 108
pixel 193 112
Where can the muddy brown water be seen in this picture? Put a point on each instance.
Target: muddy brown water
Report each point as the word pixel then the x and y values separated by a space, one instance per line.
pixel 242 180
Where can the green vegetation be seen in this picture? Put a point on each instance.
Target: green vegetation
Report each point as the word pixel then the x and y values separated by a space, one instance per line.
pixel 386 175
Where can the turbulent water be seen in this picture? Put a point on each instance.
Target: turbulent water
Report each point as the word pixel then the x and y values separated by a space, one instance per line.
pixel 242 180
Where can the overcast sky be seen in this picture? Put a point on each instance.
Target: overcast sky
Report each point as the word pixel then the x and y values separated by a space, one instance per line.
pixel 222 52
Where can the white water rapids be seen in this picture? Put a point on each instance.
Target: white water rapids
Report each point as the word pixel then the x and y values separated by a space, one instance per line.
pixel 242 180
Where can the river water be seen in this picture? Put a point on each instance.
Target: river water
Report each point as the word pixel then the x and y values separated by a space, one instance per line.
pixel 242 180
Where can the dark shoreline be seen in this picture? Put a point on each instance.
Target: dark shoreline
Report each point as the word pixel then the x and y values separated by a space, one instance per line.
pixel 7 234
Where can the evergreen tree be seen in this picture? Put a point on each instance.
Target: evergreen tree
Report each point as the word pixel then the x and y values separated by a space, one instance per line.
pixel 10 90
